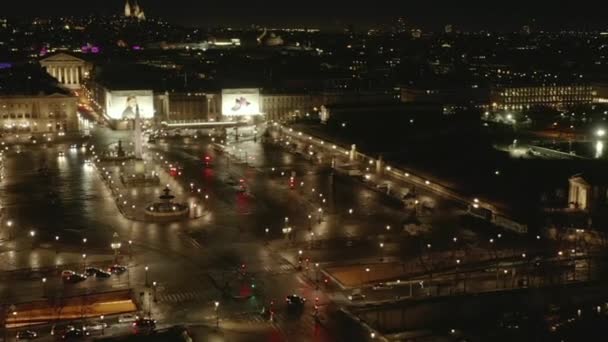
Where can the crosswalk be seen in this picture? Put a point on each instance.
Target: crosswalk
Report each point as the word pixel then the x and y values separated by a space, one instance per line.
pixel 183 296
pixel 279 269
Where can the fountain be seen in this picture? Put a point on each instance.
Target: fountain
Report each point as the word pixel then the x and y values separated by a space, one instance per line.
pixel 166 209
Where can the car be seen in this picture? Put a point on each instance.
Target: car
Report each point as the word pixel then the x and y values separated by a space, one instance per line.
pixel 295 302
pixel 381 286
pixel 102 274
pixel 75 278
pixel 117 269
pixel 95 326
pixel 61 154
pixel 145 323
pixel 382 186
pixel 26 335
pixel 74 334
pixel 127 318
pixel 67 273
pixel 356 296
pixel 89 271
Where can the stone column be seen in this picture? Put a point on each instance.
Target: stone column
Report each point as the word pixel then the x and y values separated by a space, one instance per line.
pixel 71 75
pixel 63 75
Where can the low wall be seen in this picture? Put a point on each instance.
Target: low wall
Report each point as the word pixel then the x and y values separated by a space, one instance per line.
pixel 498 217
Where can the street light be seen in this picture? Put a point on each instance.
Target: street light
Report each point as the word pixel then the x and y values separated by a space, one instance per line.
pixel 146 271
pixel 154 288
pixel 217 315
pixel 103 326
pixel 115 246
pixel 44 287
pixel 84 262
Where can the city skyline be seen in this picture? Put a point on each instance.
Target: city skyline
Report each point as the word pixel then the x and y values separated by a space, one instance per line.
pixel 339 14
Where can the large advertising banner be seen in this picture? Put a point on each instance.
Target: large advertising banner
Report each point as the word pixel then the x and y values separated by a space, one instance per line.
pixel 240 102
pixel 123 104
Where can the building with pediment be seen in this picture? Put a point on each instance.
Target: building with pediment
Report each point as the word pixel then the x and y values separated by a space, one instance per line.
pixel 70 71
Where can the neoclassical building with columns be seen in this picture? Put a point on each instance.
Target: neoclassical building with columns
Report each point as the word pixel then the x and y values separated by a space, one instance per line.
pixel 69 70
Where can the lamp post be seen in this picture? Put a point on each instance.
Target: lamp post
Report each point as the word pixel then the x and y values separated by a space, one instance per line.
pixel 130 248
pixel 381 245
pixel 154 289
pixel 9 225
pixel 115 246
pixel 33 236
pixel 217 315
pixel 316 275
pixel 44 287
pixel 84 262
pixel 146 273
pixel 266 231
pixel 103 326
pixel 56 244
pixel 366 275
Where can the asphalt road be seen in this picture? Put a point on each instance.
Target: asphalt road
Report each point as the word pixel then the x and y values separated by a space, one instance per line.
pixel 196 263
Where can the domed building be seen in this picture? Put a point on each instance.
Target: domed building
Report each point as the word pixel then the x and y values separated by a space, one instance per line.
pixel 134 11
pixel 270 39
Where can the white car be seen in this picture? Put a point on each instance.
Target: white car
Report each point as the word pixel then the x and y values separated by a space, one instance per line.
pixel 356 296
pixel 127 318
pixel 94 326
pixel 381 286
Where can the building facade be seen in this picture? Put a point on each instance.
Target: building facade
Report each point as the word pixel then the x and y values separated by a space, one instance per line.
pixel 184 107
pixel 53 113
pixel 524 97
pixel 280 107
pixel 70 71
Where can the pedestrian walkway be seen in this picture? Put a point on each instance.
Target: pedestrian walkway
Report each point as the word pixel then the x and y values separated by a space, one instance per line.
pixel 193 295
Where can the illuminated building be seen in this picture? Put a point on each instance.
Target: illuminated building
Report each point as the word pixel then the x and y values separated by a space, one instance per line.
pixel 132 10
pixel 191 106
pixel 44 113
pixel 70 71
pixel 523 97
pixel 284 106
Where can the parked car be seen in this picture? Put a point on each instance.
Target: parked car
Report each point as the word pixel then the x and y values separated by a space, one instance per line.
pixel 117 269
pixel 102 274
pixel 95 326
pixel 26 335
pixel 381 286
pixel 145 323
pixel 74 334
pixel 75 278
pixel 127 318
pixel 89 271
pixel 67 273
pixel 356 296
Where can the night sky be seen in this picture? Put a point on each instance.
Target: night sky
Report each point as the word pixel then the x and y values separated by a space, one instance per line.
pixel 429 14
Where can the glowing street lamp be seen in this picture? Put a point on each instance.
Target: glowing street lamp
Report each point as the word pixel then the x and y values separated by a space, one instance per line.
pixel 115 245
pixel 146 272
pixel 217 314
